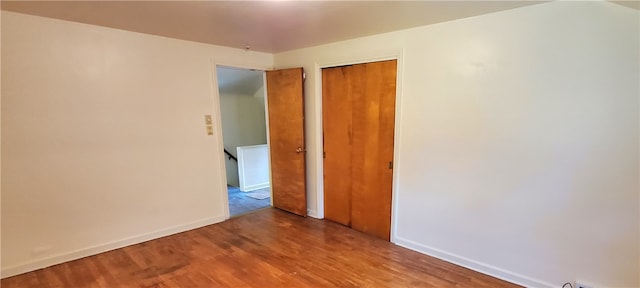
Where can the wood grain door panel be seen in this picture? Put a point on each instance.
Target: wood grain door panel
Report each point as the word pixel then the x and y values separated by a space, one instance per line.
pixel 374 121
pixel 286 138
pixel 336 120
pixel 358 122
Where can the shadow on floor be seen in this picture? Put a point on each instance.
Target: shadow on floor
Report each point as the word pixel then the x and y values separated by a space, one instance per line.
pixel 245 202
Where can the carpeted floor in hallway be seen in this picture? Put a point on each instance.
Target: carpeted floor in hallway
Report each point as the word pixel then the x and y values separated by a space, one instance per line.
pixel 242 202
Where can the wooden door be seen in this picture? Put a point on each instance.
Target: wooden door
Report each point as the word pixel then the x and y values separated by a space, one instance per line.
pixel 359 121
pixel 374 121
pixel 337 138
pixel 285 101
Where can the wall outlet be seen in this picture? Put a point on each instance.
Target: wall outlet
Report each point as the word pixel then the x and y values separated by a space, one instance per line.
pixel 582 284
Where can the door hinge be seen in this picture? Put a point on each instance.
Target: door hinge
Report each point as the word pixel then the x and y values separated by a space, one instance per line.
pixel 324 154
pixel 390 164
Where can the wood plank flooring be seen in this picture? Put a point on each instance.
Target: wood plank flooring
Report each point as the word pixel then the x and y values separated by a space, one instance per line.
pixel 268 248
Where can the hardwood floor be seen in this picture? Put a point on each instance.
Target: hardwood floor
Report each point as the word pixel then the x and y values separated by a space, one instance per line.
pixel 268 248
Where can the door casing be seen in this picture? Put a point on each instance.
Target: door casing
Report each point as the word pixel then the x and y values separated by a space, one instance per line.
pixel 218 124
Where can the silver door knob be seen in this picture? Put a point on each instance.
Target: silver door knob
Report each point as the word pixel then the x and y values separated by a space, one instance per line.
pixel 299 149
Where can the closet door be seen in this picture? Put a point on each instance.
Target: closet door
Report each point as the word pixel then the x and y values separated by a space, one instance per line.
pixel 336 122
pixel 359 120
pixel 374 91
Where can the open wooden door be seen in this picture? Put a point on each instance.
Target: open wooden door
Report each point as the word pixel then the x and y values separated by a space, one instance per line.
pixel 286 139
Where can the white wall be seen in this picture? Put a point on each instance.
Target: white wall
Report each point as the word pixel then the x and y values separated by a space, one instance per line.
pixel 103 138
pixel 243 124
pixel 517 149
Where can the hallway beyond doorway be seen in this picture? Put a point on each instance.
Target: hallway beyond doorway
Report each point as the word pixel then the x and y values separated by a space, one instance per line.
pixel 245 202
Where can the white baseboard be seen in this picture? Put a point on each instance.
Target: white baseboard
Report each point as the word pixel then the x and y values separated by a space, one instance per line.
pixel 100 248
pixel 313 214
pixel 472 264
pixel 254 187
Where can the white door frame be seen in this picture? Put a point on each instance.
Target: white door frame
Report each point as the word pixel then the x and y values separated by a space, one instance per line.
pixel 218 126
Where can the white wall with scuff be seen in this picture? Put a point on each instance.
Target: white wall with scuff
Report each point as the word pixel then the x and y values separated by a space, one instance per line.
pixel 518 139
pixel 103 138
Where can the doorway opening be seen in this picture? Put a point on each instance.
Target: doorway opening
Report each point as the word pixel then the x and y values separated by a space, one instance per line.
pixel 244 134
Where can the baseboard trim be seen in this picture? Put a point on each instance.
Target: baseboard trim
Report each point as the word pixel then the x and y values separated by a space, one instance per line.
pixel 254 187
pixel 472 264
pixel 313 214
pixel 100 248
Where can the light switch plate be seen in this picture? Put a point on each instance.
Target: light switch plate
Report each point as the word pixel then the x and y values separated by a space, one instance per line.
pixel 209 130
pixel 207 120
